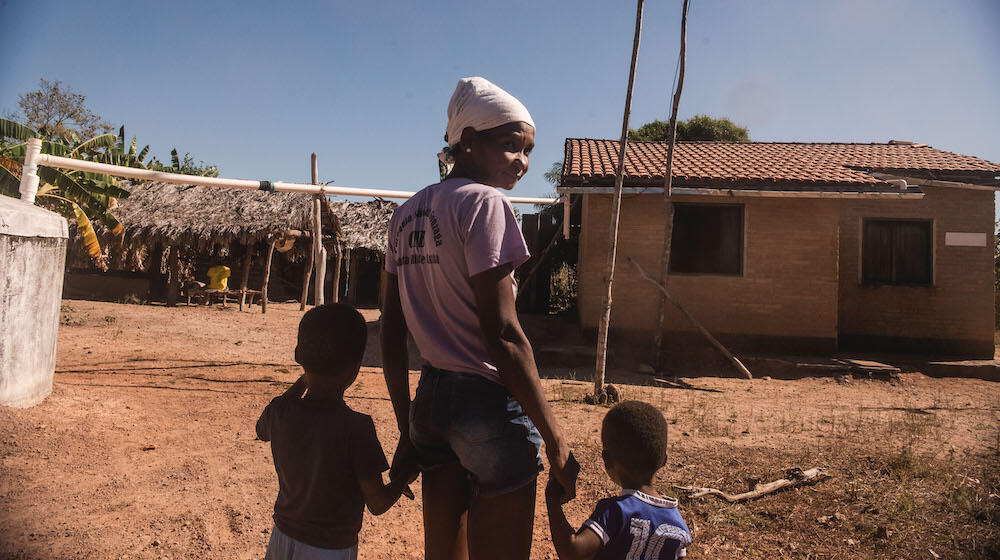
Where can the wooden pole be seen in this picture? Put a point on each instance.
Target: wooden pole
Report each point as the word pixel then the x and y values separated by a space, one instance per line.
pixel 718 345
pixel 267 275
pixel 348 288
pixel 337 258
pixel 305 281
pixel 245 276
pixel 174 278
pixel 609 270
pixel 668 183
pixel 795 477
pixel 319 257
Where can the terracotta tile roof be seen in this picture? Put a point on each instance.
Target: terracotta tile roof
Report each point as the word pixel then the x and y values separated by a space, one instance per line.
pixel 766 165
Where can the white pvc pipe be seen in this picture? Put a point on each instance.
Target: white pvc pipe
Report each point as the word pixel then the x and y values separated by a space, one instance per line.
pixel 279 186
pixel 29 172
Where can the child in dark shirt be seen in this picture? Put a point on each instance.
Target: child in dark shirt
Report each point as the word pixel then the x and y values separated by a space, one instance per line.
pixel 638 524
pixel 328 458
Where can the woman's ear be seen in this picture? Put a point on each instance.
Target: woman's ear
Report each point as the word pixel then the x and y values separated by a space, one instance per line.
pixel 298 355
pixel 469 137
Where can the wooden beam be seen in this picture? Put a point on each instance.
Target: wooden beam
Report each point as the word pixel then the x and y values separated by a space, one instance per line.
pixel 351 292
pixel 245 277
pixel 668 185
pixel 718 345
pixel 174 278
pixel 337 259
pixel 267 276
pixel 616 202
pixel 305 281
pixel 319 252
pixel 795 477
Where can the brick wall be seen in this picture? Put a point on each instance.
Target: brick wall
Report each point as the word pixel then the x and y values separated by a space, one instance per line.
pixel 955 314
pixel 788 287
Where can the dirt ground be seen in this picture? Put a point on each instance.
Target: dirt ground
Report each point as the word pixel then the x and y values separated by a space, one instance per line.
pixel 146 449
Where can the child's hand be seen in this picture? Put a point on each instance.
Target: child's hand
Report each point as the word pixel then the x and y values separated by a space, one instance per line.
pixel 403 484
pixel 554 491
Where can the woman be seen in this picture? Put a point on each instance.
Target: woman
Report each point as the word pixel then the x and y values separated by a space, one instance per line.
pixel 479 416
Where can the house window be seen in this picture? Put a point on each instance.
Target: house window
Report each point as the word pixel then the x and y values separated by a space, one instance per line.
pixel 707 239
pixel 896 252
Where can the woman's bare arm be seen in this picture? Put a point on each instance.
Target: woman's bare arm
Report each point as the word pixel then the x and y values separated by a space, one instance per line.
pixel 511 352
pixel 395 367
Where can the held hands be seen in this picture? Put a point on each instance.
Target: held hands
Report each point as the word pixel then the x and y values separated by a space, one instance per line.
pixel 554 492
pixel 405 466
pixel 564 470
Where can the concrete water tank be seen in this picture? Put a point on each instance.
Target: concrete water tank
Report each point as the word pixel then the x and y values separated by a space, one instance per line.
pixel 32 262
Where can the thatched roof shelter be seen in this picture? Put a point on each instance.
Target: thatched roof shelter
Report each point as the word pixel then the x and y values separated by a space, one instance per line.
pixel 364 224
pixel 206 218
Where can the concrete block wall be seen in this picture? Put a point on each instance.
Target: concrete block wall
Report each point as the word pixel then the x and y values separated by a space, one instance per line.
pixel 788 288
pixel 954 315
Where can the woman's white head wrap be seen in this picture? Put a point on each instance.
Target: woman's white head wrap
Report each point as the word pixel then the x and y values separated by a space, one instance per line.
pixel 481 104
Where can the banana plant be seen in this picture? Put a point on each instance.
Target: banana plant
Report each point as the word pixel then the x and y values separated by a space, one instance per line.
pixel 77 195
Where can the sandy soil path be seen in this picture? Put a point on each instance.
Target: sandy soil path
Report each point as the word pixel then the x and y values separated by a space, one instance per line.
pixel 146 449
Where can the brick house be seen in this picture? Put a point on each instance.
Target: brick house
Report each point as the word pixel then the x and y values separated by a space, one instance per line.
pixel 795 247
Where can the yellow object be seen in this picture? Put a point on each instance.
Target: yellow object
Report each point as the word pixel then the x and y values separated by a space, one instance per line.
pixel 218 278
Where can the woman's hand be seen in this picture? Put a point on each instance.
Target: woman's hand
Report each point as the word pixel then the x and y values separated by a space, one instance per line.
pixel 405 465
pixel 564 469
pixel 511 352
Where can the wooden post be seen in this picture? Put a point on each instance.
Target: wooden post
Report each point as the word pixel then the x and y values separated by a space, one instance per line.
pixel 305 281
pixel 668 202
pixel 319 252
pixel 267 275
pixel 349 287
pixel 718 345
pixel 174 278
pixel 246 273
pixel 155 274
pixel 337 258
pixel 609 270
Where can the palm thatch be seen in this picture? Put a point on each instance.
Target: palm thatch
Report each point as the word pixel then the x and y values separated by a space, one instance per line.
pixel 212 219
pixel 364 224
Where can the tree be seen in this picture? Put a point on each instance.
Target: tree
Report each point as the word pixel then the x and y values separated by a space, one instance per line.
pixel 698 127
pixel 76 195
pixel 186 165
pixel 554 174
pixel 58 113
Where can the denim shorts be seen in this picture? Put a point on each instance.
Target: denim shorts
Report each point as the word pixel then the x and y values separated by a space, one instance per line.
pixel 465 418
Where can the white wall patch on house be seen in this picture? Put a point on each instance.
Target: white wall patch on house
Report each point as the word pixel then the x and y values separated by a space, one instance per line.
pixel 956 239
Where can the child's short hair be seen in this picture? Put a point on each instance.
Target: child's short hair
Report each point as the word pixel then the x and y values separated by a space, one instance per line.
pixel 634 435
pixel 332 337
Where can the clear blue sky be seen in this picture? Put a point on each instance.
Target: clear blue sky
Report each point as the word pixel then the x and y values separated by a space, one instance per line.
pixel 254 87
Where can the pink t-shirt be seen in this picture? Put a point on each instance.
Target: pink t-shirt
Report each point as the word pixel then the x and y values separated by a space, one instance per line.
pixel 441 237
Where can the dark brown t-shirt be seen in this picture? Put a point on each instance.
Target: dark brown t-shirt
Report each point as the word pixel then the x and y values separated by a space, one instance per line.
pixel 321 450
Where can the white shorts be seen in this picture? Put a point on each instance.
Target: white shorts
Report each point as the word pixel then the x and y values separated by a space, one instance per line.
pixel 283 547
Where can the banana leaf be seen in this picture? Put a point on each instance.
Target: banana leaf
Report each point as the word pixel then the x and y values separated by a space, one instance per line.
pixel 9 183
pixel 52 148
pixel 116 227
pixel 102 141
pixel 11 129
pixel 69 187
pixel 86 229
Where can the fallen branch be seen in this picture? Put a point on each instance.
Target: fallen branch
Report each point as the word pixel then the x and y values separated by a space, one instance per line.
pixel 718 345
pixel 796 477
